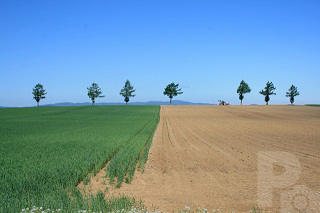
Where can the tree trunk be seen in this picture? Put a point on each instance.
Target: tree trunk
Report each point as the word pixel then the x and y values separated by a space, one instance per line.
pixel 38 104
pixel 126 103
pixel 170 101
pixel 267 103
pixel 241 102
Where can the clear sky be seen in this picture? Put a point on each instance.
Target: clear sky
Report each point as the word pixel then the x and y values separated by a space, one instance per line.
pixel 206 46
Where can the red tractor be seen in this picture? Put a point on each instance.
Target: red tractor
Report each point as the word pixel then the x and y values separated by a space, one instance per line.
pixel 223 103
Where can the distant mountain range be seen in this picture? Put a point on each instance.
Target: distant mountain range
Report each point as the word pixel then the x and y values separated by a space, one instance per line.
pixel 175 102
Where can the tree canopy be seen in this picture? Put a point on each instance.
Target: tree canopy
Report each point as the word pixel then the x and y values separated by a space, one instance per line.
pixel 243 89
pixel 268 90
pixel 172 90
pixel 293 91
pixel 39 93
pixel 127 91
pixel 94 91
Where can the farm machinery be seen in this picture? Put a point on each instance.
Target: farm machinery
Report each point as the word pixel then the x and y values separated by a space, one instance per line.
pixel 223 103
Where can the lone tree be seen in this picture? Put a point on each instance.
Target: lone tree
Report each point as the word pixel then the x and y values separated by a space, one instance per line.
pixel 172 90
pixel 94 91
pixel 243 89
pixel 127 92
pixel 39 93
pixel 268 90
pixel 293 91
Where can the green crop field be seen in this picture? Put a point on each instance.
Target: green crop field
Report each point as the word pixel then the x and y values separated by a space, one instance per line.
pixel 316 105
pixel 45 152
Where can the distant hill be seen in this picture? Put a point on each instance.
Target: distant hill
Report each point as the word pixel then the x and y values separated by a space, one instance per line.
pixel 175 102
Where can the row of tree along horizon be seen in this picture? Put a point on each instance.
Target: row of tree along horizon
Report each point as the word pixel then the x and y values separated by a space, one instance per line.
pixel 171 90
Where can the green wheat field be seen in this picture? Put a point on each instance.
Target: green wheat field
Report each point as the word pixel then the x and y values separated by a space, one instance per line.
pixel 45 152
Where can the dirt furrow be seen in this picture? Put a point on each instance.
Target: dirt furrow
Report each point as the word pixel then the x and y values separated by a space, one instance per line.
pixel 206 156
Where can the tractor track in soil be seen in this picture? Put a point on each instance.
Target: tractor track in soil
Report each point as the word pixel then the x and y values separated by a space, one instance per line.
pixel 206 156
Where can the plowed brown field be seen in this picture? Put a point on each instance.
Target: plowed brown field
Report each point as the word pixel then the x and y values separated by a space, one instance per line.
pixel 206 156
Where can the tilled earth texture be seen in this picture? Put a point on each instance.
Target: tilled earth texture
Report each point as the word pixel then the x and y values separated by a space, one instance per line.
pixel 210 157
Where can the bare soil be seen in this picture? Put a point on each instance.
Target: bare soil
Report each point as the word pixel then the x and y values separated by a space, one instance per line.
pixel 206 156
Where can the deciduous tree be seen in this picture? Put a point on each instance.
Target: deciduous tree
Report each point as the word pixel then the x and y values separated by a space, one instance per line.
pixel 94 91
pixel 268 90
pixel 127 92
pixel 39 93
pixel 243 89
pixel 172 90
pixel 293 91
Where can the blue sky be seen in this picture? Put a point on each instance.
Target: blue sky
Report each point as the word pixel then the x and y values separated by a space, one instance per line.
pixel 206 46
